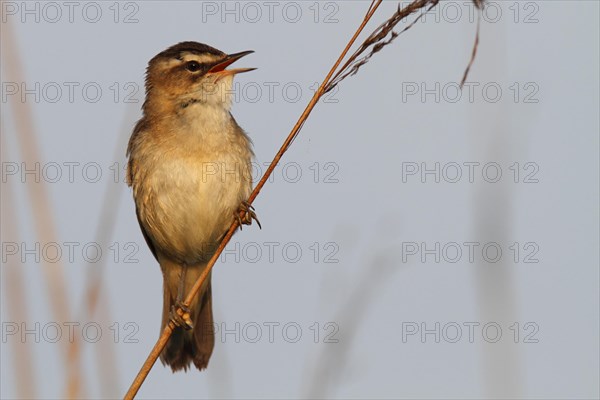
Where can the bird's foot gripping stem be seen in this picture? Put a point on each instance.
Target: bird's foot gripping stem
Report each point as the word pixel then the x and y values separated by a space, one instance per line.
pixel 248 217
pixel 181 320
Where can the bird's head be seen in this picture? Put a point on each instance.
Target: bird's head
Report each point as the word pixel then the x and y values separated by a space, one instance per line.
pixel 188 74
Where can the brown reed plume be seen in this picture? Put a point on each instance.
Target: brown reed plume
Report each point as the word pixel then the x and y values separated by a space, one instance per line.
pixel 375 41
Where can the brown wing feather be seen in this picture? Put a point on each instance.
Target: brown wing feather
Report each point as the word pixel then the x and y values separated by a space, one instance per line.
pixel 148 240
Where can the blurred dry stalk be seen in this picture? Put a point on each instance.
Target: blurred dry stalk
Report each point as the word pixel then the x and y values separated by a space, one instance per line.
pixel 96 303
pixel 14 287
pixel 494 214
pixel 333 362
pixel 41 210
pixel 376 41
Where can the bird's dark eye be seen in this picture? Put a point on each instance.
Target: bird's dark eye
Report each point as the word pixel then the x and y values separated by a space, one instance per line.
pixel 192 66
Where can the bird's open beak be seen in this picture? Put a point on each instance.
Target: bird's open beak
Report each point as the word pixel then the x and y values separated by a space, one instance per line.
pixel 219 68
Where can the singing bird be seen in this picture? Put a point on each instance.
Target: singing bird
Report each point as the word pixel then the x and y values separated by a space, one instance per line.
pixel 189 164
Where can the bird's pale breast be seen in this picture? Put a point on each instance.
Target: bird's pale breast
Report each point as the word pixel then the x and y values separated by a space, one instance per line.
pixel 187 194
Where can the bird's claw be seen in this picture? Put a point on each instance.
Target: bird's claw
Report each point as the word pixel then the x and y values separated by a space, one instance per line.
pixel 181 320
pixel 248 216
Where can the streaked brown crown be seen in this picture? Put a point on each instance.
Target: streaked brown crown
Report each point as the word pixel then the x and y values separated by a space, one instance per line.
pixel 177 51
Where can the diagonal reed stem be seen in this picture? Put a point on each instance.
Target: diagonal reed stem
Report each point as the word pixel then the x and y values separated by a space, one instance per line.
pixel 164 337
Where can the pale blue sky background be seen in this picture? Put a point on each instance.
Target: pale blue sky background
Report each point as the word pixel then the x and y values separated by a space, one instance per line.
pixel 533 116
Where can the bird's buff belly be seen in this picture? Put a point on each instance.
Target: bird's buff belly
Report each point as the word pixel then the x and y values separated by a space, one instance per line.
pixel 187 208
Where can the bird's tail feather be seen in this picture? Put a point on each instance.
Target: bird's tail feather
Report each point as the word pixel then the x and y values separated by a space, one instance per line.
pixel 189 346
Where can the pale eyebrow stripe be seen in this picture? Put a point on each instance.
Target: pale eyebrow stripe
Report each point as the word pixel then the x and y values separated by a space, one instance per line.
pixel 205 58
